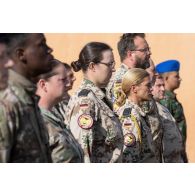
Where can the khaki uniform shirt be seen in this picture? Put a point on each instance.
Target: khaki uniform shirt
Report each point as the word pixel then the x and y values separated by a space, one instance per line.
pixel 94 124
pixel 138 143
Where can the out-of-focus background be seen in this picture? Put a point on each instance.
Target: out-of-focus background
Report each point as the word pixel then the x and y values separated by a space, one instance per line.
pixel 164 46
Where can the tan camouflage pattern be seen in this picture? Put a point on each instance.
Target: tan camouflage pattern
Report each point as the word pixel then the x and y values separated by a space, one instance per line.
pixel 63 145
pixel 114 86
pixel 143 150
pixel 100 134
pixel 23 135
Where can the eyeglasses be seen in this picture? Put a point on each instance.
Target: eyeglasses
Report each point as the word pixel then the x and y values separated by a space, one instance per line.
pixel 110 64
pixel 142 50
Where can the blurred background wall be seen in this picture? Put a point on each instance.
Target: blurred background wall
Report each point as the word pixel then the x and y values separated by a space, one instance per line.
pixel 164 46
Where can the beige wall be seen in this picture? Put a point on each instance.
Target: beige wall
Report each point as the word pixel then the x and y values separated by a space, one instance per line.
pixel 163 46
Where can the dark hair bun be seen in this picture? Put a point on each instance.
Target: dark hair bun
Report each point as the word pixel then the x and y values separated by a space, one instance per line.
pixel 76 65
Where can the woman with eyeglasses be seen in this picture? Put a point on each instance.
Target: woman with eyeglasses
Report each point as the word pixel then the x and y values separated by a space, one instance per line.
pixel 89 112
pixel 51 87
pixel 138 141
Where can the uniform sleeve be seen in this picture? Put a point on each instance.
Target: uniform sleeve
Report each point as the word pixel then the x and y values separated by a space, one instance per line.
pixel 81 124
pixel 6 133
pixel 131 139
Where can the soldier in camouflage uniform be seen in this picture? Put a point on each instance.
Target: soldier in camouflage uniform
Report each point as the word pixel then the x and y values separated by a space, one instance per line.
pixel 23 135
pixel 134 53
pixel 89 112
pixel 139 145
pixel 51 88
pixel 62 106
pixel 170 71
pixel 172 139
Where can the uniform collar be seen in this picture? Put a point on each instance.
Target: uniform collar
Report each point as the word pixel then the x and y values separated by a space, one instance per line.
pixel 20 81
pixel 135 106
pixel 124 66
pixel 87 84
pixel 170 94
pixel 50 115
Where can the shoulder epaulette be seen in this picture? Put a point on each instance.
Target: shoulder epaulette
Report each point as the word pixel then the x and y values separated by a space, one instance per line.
pixel 83 92
pixel 127 112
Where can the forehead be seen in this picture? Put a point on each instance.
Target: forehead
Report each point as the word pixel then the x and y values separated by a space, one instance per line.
pixel 174 73
pixel 146 80
pixel 159 81
pixel 107 54
pixel 140 42
pixel 37 37
pixel 60 69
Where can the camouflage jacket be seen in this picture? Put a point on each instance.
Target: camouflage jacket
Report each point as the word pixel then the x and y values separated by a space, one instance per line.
pixel 64 147
pixel 138 143
pixel 94 124
pixel 61 107
pixel 175 108
pixel 172 138
pixel 23 135
pixel 114 86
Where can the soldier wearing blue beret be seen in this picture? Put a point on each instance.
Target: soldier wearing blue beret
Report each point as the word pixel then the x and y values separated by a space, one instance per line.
pixel 170 71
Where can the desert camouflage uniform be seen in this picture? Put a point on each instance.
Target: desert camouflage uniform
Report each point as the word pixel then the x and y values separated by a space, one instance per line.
pixel 64 147
pixel 94 124
pixel 23 135
pixel 114 86
pixel 172 138
pixel 138 143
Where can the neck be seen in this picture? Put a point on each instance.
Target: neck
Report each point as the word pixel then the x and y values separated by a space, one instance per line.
pixel 46 102
pixel 128 63
pixel 168 88
pixel 93 80
pixel 134 99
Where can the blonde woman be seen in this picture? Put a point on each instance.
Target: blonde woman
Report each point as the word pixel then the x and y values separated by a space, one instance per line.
pixel 138 143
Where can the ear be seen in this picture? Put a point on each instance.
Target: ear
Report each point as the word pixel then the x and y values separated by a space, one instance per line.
pixel 134 88
pixel 129 53
pixel 20 53
pixel 42 85
pixel 92 66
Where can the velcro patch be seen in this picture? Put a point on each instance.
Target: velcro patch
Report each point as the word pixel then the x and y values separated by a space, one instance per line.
pixel 85 121
pixel 129 139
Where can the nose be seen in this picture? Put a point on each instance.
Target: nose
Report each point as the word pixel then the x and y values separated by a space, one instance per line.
pixel 49 50
pixel 162 88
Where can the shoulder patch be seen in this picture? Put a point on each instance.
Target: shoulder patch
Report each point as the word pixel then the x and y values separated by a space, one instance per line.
pixel 85 121
pixel 127 112
pixel 83 92
pixel 129 139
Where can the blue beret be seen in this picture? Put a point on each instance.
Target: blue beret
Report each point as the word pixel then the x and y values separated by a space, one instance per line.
pixel 168 66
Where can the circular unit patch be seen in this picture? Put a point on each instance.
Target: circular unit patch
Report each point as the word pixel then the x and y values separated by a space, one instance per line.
pixel 85 121
pixel 129 139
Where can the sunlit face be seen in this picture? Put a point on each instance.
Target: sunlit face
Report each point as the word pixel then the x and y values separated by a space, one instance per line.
pixel 3 71
pixel 158 89
pixel 142 52
pixel 56 85
pixel 143 90
pixel 173 80
pixel 105 68
pixel 70 79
